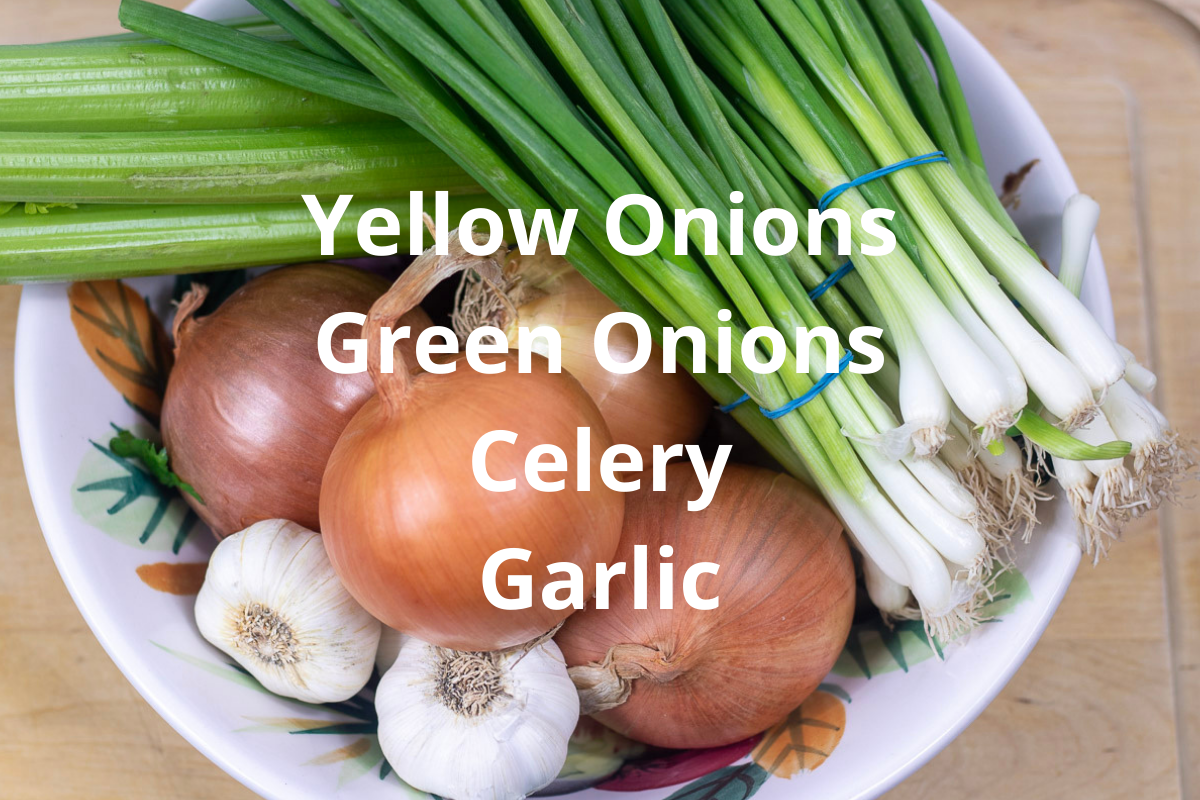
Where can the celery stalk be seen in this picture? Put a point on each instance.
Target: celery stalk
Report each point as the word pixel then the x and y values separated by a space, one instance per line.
pixel 264 165
pixel 144 86
pixel 112 241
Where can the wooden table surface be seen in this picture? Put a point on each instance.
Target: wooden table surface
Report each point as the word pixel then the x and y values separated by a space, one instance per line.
pixel 1108 704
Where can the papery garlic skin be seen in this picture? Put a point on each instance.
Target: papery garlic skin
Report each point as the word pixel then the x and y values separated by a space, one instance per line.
pixel 503 738
pixel 272 602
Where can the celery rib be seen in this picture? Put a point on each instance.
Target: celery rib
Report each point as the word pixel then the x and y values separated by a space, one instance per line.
pixel 113 241
pixel 147 87
pixel 261 165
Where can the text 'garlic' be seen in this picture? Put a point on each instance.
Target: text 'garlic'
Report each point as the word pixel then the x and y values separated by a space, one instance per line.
pixel 272 602
pixel 476 726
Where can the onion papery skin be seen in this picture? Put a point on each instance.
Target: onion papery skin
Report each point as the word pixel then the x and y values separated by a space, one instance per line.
pixel 409 528
pixel 251 414
pixel 787 590
pixel 643 408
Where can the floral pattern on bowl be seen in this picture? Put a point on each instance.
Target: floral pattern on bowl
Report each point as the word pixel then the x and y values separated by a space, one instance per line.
pixel 117 496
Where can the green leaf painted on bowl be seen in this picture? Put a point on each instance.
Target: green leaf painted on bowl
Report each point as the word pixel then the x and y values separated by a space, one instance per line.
pixel 835 690
pixel 873 648
pixel 227 672
pixel 737 782
pixel 361 709
pixel 1010 591
pixel 122 499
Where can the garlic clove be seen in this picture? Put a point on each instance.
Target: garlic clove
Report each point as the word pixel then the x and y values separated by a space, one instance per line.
pixel 272 602
pixel 476 726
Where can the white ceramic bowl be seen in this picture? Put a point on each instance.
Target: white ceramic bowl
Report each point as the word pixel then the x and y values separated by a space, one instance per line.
pixel 889 724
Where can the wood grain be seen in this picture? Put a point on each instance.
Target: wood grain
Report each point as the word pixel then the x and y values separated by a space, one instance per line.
pixel 71 726
pixel 1108 704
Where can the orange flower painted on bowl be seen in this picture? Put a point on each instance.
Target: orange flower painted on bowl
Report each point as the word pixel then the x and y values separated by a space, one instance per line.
pixel 125 340
pixel 180 579
pixel 803 741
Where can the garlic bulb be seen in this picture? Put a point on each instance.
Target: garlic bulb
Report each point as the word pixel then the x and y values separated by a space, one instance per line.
pixel 476 726
pixel 272 602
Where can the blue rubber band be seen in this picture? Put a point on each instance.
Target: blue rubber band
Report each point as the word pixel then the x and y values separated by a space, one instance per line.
pixel 915 161
pixel 728 409
pixel 812 393
pixel 802 400
pixel 827 284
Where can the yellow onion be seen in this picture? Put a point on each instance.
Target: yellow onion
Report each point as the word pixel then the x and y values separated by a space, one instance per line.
pixel 407 525
pixel 642 409
pixel 683 677
pixel 251 414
